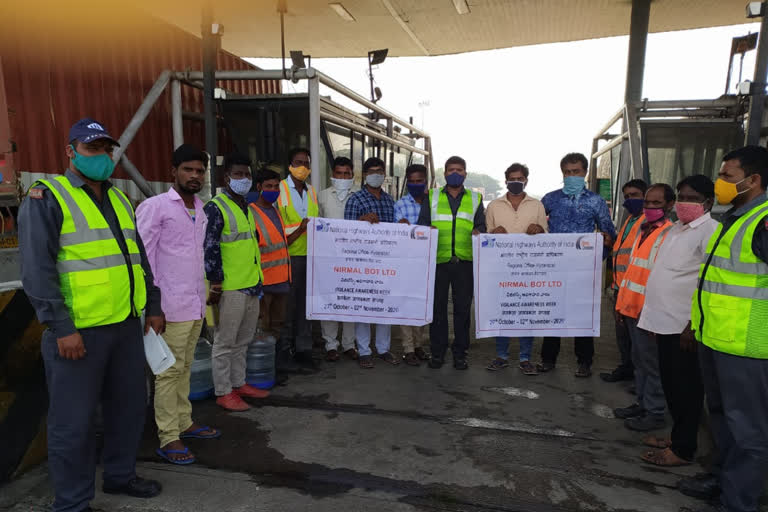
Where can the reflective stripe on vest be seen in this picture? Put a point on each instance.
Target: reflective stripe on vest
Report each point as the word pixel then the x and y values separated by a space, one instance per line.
pixel 240 258
pixel 443 219
pixel 292 220
pixel 631 297
pixel 622 249
pixel 94 272
pixel 275 261
pixel 730 307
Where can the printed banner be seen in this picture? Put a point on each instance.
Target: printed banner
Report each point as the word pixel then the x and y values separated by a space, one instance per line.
pixel 537 285
pixel 372 273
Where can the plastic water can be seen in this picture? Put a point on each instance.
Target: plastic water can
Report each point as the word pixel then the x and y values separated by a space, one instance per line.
pixel 201 379
pixel 260 365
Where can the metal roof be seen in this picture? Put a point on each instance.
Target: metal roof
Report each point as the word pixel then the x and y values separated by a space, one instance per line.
pixel 431 27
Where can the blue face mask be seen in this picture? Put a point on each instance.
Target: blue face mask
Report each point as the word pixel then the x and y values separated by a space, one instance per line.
pixel 270 196
pixel 634 206
pixel 573 185
pixel 454 179
pixel 96 167
pixel 416 189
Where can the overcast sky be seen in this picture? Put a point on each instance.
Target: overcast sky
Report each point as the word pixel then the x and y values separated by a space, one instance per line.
pixel 533 104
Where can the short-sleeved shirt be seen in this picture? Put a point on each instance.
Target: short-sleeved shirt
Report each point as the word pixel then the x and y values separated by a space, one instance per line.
pixel 501 213
pixel 363 202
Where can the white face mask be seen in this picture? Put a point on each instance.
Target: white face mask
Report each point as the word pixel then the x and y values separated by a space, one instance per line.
pixel 375 180
pixel 240 187
pixel 342 187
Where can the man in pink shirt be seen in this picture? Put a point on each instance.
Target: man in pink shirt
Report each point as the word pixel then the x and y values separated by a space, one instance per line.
pixel 172 226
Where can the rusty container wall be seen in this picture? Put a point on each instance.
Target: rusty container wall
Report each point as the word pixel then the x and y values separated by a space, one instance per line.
pixel 51 79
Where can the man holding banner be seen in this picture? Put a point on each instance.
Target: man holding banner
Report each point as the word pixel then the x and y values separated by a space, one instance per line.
pixel 457 214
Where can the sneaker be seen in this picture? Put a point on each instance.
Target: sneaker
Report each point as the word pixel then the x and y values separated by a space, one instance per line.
pixel 411 359
pixel 421 354
pixel 232 402
pixel 645 423
pixel 527 368
pixel 584 371
pixel 543 367
pixel 497 364
pixel 633 411
pixel 251 392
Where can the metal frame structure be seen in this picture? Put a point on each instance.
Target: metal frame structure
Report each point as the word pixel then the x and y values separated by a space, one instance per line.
pixel 320 109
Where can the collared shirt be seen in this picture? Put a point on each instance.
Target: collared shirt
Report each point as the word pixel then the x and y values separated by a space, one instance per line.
pixel 501 213
pixel 173 237
pixel 407 208
pixel 329 204
pixel 300 201
pixel 363 202
pixel 581 213
pixel 646 228
pixel 214 270
pixel 425 215
pixel 674 276
pixel 39 230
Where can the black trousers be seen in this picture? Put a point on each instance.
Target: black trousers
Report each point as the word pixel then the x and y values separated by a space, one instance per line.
pixel 111 373
pixel 584 348
pixel 681 380
pixel 624 343
pixel 458 278
pixel 297 330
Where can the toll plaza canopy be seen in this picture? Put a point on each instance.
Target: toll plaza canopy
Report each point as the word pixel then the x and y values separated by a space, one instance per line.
pixel 350 28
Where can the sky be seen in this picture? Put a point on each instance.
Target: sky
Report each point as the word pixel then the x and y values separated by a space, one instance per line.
pixel 534 104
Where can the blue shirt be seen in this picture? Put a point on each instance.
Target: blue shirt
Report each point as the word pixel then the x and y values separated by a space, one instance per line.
pixel 300 201
pixel 407 208
pixel 578 214
pixel 363 202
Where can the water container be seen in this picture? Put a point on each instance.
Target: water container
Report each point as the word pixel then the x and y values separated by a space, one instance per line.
pixel 201 380
pixel 260 370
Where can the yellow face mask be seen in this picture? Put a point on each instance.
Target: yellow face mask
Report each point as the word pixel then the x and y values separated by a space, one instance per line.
pixel 726 192
pixel 300 173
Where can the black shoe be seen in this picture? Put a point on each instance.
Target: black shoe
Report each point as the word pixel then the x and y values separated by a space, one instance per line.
pixel 704 486
pixel 645 423
pixel 584 371
pixel 544 367
pixel 435 363
pixel 460 364
pixel 137 488
pixel 305 359
pixel 618 375
pixel 633 411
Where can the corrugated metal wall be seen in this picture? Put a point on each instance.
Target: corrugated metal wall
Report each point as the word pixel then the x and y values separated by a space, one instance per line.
pixel 53 79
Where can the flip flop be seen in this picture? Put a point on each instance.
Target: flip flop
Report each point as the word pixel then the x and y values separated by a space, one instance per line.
pixel 196 434
pixel 164 454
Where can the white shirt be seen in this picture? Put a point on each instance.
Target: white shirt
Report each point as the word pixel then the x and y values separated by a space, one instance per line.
pixel 673 279
pixel 330 206
pixel 300 201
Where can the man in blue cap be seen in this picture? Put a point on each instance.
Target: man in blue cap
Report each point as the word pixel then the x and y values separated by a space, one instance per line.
pixel 86 273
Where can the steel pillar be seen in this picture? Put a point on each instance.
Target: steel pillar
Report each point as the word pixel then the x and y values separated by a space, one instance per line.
pixel 210 52
pixel 757 101
pixel 313 87
pixel 177 115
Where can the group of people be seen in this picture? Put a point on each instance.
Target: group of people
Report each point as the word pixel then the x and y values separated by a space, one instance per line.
pixel 689 295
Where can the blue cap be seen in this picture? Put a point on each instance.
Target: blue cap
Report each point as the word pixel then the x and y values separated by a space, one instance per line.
pixel 87 130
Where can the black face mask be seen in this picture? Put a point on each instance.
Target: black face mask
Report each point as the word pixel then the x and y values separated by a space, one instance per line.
pixel 515 187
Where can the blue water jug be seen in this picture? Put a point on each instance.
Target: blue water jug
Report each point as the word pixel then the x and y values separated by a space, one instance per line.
pixel 201 379
pixel 260 362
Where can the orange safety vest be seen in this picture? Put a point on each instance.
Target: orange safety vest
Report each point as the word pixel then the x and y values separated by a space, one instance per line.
pixel 275 262
pixel 622 250
pixel 632 292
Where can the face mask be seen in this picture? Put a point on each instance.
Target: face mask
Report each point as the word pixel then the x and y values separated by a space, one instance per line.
pixel 300 173
pixel 654 214
pixel 689 212
pixel 726 192
pixel 515 187
pixel 573 185
pixel 375 180
pixel 240 187
pixel 270 196
pixel 96 167
pixel 416 189
pixel 454 179
pixel 634 206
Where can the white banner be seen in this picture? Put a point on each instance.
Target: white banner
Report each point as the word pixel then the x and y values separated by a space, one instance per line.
pixel 537 285
pixel 371 273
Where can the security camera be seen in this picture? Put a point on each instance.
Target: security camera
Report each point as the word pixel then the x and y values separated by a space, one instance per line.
pixel 754 9
pixel 744 88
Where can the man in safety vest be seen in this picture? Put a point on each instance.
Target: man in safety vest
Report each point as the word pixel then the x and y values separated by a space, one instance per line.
pixel 648 412
pixel 457 214
pixel 634 195
pixel 296 203
pixel 273 245
pixel 233 267
pixel 730 318
pixel 86 273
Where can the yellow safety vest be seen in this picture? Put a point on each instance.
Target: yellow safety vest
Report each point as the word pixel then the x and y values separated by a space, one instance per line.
pixel 93 270
pixel 292 219
pixel 240 257
pixel 448 226
pixel 730 307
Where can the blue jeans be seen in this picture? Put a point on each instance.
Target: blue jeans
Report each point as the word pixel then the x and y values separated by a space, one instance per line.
pixel 526 347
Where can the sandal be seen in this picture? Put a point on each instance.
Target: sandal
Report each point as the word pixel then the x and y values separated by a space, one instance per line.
pixel 365 362
pixel 332 355
pixel 657 442
pixel 198 433
pixel 664 458
pixel 352 353
pixel 166 455
pixel 411 359
pixel 421 354
pixel 389 358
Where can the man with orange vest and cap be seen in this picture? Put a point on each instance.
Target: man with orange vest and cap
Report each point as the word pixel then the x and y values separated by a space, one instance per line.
pixel 273 245
pixel 634 194
pixel 648 412
pixel 297 202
